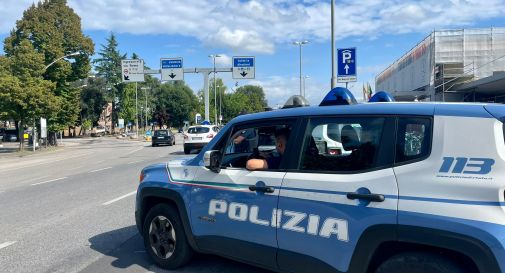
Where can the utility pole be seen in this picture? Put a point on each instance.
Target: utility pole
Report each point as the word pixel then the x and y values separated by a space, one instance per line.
pixel 145 97
pixel 333 78
pixel 136 110
pixel 213 56
pixel 300 44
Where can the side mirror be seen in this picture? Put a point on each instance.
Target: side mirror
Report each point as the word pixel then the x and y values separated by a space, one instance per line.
pixel 212 160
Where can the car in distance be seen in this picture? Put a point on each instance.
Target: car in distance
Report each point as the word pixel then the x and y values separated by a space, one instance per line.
pixel 163 137
pixel 198 136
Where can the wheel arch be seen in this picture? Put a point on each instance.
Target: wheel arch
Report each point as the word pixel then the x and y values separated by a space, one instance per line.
pixel 150 197
pixel 381 242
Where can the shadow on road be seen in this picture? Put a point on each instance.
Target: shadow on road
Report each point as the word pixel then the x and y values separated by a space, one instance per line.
pixel 131 254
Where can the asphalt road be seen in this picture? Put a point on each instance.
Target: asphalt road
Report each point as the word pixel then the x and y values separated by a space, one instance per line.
pixel 72 210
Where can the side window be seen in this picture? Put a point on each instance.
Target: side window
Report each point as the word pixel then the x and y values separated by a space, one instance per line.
pixel 342 144
pixel 414 139
pixel 264 142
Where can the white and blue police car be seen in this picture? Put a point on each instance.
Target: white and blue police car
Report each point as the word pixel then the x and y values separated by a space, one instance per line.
pixel 417 189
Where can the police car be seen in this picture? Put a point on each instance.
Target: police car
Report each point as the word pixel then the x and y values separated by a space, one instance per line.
pixel 418 189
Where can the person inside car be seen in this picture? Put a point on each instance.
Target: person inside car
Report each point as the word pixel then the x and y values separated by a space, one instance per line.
pixel 271 162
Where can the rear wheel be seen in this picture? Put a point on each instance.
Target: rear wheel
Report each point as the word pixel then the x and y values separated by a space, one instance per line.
pixel 164 237
pixel 417 262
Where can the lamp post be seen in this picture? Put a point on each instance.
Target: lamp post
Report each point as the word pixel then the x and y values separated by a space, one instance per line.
pixel 62 57
pixel 305 78
pixel 145 95
pixel 214 56
pixel 333 78
pixel 45 68
pixel 300 44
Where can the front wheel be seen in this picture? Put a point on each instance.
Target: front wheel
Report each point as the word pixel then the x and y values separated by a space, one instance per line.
pixel 164 237
pixel 414 262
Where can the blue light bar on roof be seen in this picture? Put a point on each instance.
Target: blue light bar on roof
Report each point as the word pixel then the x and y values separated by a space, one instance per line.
pixel 338 96
pixel 381 96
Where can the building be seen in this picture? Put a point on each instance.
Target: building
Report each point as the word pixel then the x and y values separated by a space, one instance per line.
pixel 450 65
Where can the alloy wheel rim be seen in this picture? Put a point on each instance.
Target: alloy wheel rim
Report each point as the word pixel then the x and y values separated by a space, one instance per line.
pixel 162 237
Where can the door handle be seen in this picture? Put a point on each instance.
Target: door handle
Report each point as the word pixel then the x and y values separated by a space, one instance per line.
pixel 366 196
pixel 263 189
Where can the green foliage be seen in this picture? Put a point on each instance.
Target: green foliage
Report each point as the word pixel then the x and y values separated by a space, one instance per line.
pixel 108 65
pixel 87 124
pixel 27 100
pixel 54 30
pixel 35 47
pixel 127 99
pixel 93 100
pixel 175 103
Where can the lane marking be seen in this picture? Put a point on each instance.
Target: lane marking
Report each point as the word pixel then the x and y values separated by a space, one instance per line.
pixel 134 162
pixel 49 181
pixel 119 198
pixel 136 150
pixel 6 244
pixel 102 169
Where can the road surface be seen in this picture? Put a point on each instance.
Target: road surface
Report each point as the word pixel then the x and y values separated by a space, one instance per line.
pixel 72 210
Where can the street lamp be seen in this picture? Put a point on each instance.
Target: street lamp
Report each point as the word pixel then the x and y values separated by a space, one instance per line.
pixel 63 57
pixel 145 95
pixel 305 78
pixel 214 56
pixel 300 44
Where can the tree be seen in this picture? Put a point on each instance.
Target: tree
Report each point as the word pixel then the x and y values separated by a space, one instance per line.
pixel 53 30
pixel 175 104
pixel 93 100
pixel 108 66
pixel 24 95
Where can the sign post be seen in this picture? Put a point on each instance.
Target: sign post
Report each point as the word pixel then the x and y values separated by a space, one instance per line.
pixel 132 70
pixel 43 130
pixel 172 69
pixel 346 71
pixel 243 68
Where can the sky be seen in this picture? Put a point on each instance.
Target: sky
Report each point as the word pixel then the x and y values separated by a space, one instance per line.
pixel 380 30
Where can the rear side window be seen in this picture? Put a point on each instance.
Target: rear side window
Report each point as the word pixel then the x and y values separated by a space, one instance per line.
pixel 413 140
pixel 198 130
pixel 343 144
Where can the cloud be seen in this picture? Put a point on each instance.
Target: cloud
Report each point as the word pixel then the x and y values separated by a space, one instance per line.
pixel 259 26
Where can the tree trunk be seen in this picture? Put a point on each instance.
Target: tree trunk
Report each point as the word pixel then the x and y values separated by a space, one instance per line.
pixel 19 127
pixel 112 112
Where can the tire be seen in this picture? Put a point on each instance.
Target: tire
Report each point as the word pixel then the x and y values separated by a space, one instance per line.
pixel 418 262
pixel 175 237
pixel 187 151
pixel 153 145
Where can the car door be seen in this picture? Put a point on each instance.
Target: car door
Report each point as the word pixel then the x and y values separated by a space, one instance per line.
pixel 330 200
pixel 233 212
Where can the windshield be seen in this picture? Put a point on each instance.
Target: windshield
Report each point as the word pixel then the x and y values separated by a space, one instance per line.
pixel 198 130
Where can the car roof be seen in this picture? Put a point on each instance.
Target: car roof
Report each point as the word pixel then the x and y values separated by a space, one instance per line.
pixel 379 108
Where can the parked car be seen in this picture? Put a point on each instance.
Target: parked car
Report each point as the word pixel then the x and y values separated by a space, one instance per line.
pixel 98 131
pixel 198 136
pixel 163 137
pixel 10 135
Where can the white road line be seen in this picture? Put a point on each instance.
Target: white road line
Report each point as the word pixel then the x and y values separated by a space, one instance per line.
pixel 102 169
pixel 49 181
pixel 134 162
pixel 6 244
pixel 119 198
pixel 136 150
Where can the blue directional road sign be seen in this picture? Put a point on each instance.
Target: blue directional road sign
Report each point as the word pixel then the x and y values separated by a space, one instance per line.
pixel 172 69
pixel 346 65
pixel 243 68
